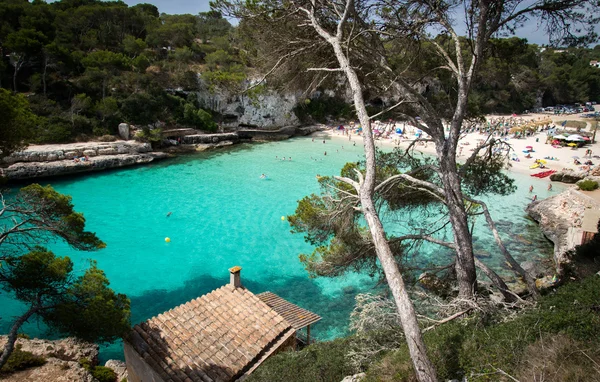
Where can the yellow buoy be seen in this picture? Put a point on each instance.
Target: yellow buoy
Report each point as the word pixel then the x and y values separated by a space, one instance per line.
pixel 168 239
pixel 283 218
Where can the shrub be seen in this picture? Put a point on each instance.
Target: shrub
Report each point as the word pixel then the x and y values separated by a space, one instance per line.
pixel 101 373
pixel 587 185
pixel 323 108
pixel 104 374
pixel 324 361
pixel 21 360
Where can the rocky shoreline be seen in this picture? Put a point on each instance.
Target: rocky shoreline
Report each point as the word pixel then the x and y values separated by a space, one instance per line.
pixel 560 218
pixel 63 361
pixel 40 161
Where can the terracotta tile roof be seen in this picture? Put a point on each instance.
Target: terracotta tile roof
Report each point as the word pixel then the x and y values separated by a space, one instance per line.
pixel 295 315
pixel 216 337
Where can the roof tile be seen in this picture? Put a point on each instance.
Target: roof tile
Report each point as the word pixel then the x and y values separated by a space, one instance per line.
pixel 216 337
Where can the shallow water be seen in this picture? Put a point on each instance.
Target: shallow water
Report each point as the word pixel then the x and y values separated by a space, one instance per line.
pixel 223 215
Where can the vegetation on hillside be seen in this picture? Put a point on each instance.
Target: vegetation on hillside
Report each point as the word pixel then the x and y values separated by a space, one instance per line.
pixel 558 339
pixel 87 65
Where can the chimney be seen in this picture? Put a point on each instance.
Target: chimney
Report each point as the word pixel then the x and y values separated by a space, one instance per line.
pixel 234 277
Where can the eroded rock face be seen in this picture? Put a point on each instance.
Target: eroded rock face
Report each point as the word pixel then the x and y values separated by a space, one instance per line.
pixel 62 360
pixel 47 153
pixel 119 367
pixel 568 176
pixel 54 160
pixel 560 218
pixel 29 170
pixel 266 110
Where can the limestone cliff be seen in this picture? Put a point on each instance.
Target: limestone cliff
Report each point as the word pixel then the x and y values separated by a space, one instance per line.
pixel 560 218
pixel 52 160
pixel 267 110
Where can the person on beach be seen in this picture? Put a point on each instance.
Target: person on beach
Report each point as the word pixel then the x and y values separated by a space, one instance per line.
pixel 530 189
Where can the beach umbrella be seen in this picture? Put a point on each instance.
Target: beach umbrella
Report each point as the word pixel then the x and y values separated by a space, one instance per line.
pixel 572 144
pixel 575 157
pixel 528 147
pixel 587 138
pixel 559 137
pixel 575 137
pixel 542 161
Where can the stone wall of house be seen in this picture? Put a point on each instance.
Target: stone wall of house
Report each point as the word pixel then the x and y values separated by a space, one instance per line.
pixel 137 369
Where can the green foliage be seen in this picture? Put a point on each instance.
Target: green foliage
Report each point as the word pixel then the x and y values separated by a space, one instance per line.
pixel 318 362
pixel 588 185
pixel 123 58
pixel 104 374
pixel 323 109
pixel 16 122
pixel 21 360
pixel 52 213
pixel 91 310
pixel 198 118
pixel 101 373
pixel 477 348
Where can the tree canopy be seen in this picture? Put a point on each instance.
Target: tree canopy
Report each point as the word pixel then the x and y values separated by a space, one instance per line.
pixel 69 303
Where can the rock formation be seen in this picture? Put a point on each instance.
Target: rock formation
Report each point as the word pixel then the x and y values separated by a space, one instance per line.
pixel 53 160
pixel 560 218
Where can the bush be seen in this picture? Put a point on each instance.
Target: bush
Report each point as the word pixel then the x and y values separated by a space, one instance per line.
pixel 104 374
pixel 323 108
pixel 101 373
pixel 587 185
pixel 324 361
pixel 21 360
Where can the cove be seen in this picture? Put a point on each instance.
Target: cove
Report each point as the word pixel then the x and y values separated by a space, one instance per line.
pixel 224 214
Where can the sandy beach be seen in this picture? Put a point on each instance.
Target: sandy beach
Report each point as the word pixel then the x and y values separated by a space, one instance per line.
pixel 563 156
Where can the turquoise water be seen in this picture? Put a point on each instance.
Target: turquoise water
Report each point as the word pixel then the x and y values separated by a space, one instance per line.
pixel 223 215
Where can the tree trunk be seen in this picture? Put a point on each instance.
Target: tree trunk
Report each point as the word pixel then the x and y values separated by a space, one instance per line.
pixel 530 281
pixel 465 265
pixel 15 78
pixel 424 369
pixel 12 335
pixel 496 280
pixel 44 74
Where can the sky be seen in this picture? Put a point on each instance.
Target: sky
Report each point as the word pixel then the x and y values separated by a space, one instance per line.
pixel 530 31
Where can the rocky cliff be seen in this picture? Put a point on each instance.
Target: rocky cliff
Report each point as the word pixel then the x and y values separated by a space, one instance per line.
pixel 560 217
pixel 52 160
pixel 267 110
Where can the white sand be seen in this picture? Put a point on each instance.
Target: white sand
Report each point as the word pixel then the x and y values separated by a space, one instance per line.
pixel 541 150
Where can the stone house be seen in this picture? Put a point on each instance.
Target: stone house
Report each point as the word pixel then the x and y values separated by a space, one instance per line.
pixel 221 336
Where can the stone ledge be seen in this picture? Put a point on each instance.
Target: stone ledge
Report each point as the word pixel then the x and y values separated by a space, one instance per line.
pixel 30 170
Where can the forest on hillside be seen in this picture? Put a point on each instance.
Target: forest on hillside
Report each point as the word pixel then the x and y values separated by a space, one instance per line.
pixel 84 66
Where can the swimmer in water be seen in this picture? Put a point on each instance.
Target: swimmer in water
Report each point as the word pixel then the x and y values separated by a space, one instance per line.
pixel 263 176
pixel 169 214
